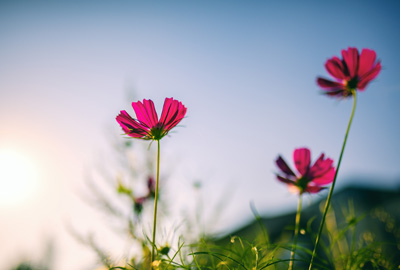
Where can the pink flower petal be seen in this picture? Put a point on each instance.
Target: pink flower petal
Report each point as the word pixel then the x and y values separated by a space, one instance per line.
pixel 130 126
pixel 283 166
pixel 145 112
pixel 302 159
pixel 350 57
pixel 335 67
pixel 313 189
pixel 326 178
pixel 367 60
pixel 285 180
pixel 336 93
pixel 151 112
pixel 173 112
pixel 320 167
pixel 329 85
pixel 166 110
pixel 172 117
pixel 369 76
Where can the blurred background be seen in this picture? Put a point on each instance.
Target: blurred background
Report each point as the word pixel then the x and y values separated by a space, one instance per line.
pixel 246 72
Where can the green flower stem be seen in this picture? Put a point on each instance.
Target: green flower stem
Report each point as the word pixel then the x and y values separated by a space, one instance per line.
pixel 153 243
pixel 328 200
pixel 296 233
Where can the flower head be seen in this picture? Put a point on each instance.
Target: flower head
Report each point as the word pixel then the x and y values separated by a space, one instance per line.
pixel 352 72
pixel 309 178
pixel 147 126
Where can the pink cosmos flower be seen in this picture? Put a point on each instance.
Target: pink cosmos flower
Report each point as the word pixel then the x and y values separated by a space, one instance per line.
pixel 352 72
pixel 310 178
pixel 147 126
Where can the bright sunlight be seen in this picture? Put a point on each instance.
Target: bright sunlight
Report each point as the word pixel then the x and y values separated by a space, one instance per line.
pixel 18 177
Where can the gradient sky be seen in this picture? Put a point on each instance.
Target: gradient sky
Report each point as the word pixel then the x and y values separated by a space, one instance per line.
pixel 246 72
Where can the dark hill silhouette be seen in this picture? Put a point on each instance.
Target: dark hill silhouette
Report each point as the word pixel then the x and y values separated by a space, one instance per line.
pixel 375 212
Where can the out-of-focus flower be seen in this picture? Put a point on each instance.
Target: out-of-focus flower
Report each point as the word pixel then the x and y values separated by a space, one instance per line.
pixel 138 204
pixel 151 186
pixel 352 72
pixel 310 178
pixel 139 201
pixel 147 126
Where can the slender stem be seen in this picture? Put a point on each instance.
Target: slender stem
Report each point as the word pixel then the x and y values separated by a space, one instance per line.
pixel 296 233
pixel 328 200
pixel 153 243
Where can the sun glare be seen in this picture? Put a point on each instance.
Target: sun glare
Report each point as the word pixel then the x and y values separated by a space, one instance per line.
pixel 18 177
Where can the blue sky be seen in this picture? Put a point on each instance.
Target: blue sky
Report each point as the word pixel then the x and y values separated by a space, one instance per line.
pixel 245 70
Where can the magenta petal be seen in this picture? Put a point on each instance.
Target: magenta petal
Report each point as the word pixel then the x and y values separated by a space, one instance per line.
pixel 313 189
pixel 320 167
pixel 145 112
pixel 367 60
pixel 302 159
pixel 285 180
pixel 130 126
pixel 173 112
pixel 167 111
pixel 350 57
pixel 140 112
pixel 326 178
pixel 369 76
pixel 335 67
pixel 125 121
pixel 335 93
pixel 283 166
pixel 172 119
pixel 329 85
pixel 151 112
pixel 333 89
